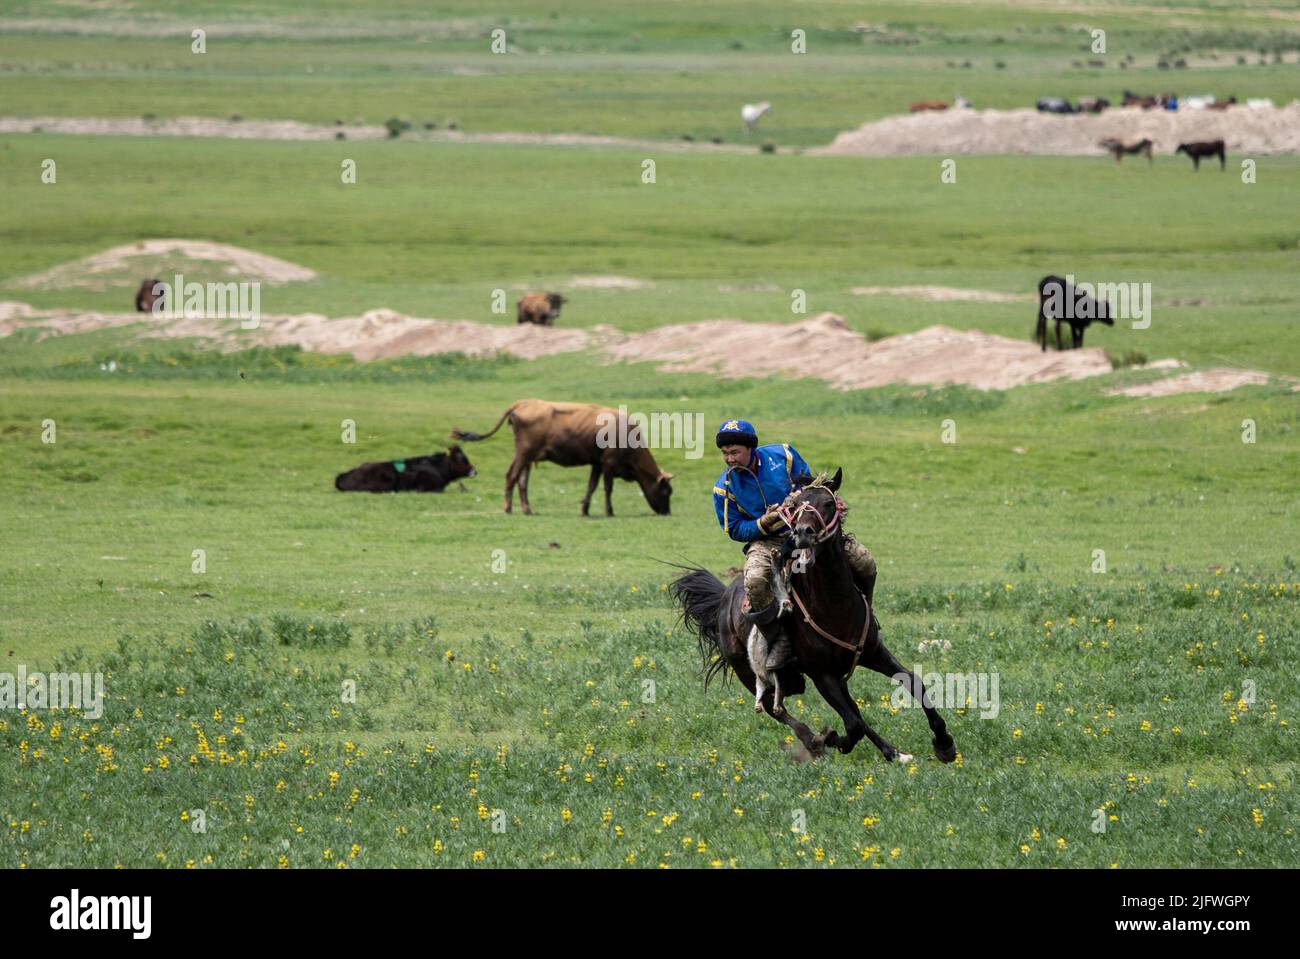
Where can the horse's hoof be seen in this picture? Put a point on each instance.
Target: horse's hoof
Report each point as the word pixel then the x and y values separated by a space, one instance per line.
pixel 945 754
pixel 903 758
pixel 828 738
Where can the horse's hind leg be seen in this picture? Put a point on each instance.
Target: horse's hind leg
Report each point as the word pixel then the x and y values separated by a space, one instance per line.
pixel 815 745
pixel 945 750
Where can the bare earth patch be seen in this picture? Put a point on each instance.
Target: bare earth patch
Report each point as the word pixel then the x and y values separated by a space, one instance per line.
pixel 294 130
pixel 824 347
pixel 953 132
pixel 1201 381
pixel 942 293
pixel 128 264
pixel 609 283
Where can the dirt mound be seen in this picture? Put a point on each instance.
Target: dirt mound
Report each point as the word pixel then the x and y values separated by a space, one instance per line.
pixel 953 132
pixel 821 346
pixel 128 264
pixel 1202 381
pixel 943 293
pixel 375 335
pixel 824 347
pixel 381 334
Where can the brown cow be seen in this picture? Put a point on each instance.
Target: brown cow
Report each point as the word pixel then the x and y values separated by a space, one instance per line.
pixel 539 308
pixel 145 296
pixel 1203 148
pixel 1222 104
pixel 573 434
pixel 1117 148
pixel 927 105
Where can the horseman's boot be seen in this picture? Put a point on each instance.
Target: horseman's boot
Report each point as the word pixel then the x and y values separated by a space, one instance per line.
pixel 867 586
pixel 780 651
pixel 866 583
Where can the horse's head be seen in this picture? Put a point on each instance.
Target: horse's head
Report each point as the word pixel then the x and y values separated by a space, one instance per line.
pixel 813 515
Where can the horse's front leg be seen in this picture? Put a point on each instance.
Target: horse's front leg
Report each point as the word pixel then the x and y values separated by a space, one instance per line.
pixel 835 690
pixel 945 750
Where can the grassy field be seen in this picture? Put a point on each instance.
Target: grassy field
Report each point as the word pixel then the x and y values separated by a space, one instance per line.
pixel 645 70
pixel 502 715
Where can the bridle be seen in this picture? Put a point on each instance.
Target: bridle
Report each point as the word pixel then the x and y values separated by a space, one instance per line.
pixel 828 529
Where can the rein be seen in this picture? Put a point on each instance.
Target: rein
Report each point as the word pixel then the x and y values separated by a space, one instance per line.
pixel 862 640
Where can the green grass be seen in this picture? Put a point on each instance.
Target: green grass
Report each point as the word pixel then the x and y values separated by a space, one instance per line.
pixel 523 689
pixel 433 230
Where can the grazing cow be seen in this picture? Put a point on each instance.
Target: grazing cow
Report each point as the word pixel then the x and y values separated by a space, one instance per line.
pixel 420 474
pixel 145 296
pixel 927 105
pixel 578 434
pixel 1054 105
pixel 1093 104
pixel 1117 148
pixel 539 308
pixel 1204 148
pixel 1060 301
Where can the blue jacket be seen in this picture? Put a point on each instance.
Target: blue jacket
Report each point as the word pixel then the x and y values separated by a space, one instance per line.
pixel 740 497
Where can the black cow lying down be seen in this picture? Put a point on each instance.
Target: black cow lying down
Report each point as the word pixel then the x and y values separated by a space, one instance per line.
pixel 421 474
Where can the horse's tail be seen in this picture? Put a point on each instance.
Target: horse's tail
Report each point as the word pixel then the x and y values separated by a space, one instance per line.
pixel 467 437
pixel 701 595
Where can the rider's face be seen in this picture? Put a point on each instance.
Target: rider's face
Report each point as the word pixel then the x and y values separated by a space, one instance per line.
pixel 735 455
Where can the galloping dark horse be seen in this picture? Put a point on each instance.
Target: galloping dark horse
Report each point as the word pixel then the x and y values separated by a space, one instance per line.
pixel 833 632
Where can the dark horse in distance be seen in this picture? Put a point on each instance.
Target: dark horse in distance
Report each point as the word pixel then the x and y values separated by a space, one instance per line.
pixel 833 632
pixel 1060 300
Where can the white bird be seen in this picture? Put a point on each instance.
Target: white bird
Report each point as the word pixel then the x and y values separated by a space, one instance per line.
pixel 752 113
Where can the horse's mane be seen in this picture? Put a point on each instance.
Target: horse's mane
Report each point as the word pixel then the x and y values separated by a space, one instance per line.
pixel 820 483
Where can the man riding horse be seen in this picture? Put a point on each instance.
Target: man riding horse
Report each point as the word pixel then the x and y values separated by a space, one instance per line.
pixel 747 498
